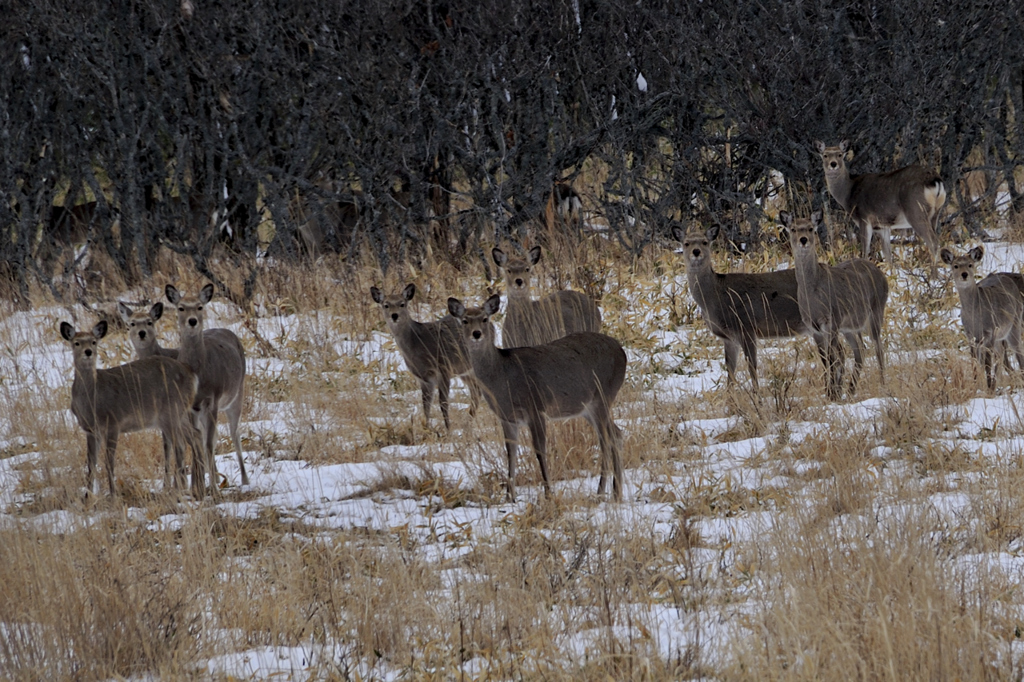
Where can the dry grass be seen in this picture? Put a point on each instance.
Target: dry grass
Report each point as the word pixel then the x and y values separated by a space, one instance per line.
pixel 763 537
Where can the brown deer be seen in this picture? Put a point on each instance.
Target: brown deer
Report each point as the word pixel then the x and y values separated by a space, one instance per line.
pixel 739 307
pixel 847 298
pixel 217 357
pixel 910 197
pixel 533 323
pixel 142 330
pixel 433 351
pixel 578 375
pixel 991 310
pixel 154 393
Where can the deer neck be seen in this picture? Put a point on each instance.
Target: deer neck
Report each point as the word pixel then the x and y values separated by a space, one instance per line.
pixel 701 281
pixel 840 186
pixel 808 269
pixel 83 390
pixel 968 292
pixel 193 350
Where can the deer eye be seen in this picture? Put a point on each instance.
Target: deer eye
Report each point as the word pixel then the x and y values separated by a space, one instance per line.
pixel 199 307
pixel 181 309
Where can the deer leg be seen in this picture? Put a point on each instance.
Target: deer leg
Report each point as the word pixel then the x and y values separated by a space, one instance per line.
pixel 510 430
pixel 836 366
pixel 731 351
pixel 539 436
pixel 211 447
pixel 853 338
pixel 168 447
pixel 109 451
pixel 443 386
pixel 234 414
pixel 886 234
pixel 865 238
pixel 474 392
pixel 925 227
pixel 90 461
pixel 427 391
pixel 749 342
pixel 876 338
pixel 609 438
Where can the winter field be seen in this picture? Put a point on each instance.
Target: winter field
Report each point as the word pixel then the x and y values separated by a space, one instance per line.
pixel 783 537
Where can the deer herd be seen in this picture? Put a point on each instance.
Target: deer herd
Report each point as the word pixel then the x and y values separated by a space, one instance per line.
pixel 555 363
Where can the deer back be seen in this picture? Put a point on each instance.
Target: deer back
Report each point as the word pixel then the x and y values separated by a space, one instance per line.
pixel 765 303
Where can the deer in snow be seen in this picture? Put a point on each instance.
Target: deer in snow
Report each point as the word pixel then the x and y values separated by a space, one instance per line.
pixel 578 375
pixel 153 393
pixel 433 351
pixel 740 307
pixel 991 310
pixel 909 197
pixel 848 298
pixel 218 359
pixel 532 323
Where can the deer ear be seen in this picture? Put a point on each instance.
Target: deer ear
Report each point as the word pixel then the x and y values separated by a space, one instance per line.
pixel 456 308
pixel 377 295
pixel 409 291
pixel 157 311
pixel 817 219
pixel 820 146
pixel 206 293
pixel 173 295
pixel 844 146
pixel 713 232
pixel 534 255
pixel 499 257
pixel 124 311
pixel 67 331
pixel 494 302
pixel 946 256
pixel 100 330
pixel 678 233
pixel 786 218
pixel 977 253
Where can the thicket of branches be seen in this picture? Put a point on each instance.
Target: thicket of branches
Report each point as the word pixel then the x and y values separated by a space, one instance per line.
pixel 189 121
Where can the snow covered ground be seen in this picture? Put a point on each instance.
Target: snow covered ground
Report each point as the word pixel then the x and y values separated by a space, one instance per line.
pixel 734 482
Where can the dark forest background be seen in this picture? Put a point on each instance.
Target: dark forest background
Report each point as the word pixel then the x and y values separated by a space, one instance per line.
pixel 380 126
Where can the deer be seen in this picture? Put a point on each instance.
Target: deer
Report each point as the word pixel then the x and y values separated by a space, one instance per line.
pixel 909 197
pixel 142 330
pixel 533 323
pixel 738 307
pixel 153 393
pixel 564 208
pixel 848 298
pixel 218 359
pixel 434 352
pixel 991 311
pixel 578 375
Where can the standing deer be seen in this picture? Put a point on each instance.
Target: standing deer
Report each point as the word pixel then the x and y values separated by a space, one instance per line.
pixel 533 323
pixel 142 330
pixel 433 351
pixel 217 357
pixel 910 197
pixel 578 375
pixel 991 310
pixel 740 308
pixel 155 393
pixel 847 298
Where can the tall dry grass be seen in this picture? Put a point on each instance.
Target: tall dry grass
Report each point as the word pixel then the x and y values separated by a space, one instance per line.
pixel 856 576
